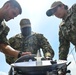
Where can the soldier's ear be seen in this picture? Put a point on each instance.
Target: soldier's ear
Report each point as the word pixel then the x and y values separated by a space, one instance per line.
pixel 66 7
pixel 7 5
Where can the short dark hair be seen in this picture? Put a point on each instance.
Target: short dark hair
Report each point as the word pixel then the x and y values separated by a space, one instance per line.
pixel 66 7
pixel 14 3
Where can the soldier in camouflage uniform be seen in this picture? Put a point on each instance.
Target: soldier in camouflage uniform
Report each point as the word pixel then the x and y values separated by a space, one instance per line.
pixel 67 32
pixel 8 11
pixel 29 41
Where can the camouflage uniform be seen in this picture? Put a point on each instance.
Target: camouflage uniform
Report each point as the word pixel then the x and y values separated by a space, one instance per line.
pixel 31 43
pixel 3 32
pixel 67 33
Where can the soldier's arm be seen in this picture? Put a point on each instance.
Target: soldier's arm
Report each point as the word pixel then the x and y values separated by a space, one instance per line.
pixel 45 45
pixel 3 36
pixel 63 47
pixel 7 49
pixel 4 43
pixel 10 59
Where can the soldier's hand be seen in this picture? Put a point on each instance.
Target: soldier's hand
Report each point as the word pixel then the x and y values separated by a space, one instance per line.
pixel 23 53
pixel 48 56
pixel 26 53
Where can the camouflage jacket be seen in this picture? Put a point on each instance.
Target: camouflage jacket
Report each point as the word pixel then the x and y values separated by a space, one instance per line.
pixel 67 33
pixel 3 33
pixel 31 43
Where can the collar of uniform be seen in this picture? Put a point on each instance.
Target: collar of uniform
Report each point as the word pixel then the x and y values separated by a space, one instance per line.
pixel 61 24
pixel 21 36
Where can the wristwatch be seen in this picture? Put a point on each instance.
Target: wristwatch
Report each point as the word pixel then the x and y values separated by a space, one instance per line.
pixel 19 54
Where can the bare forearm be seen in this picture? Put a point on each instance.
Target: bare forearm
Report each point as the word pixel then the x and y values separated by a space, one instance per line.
pixel 9 50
